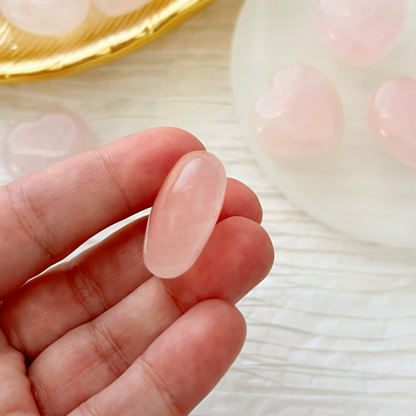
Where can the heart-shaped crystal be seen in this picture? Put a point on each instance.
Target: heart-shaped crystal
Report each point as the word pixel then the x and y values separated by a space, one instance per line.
pixel 302 116
pixel 392 118
pixel 361 31
pixel 55 136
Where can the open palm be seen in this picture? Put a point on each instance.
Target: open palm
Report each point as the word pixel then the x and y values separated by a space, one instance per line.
pixel 99 335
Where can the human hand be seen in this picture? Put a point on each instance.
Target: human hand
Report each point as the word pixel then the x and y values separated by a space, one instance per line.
pixel 98 335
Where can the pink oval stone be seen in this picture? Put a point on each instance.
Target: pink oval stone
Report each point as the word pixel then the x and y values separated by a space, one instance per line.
pixel 302 116
pixel 114 8
pixel 184 214
pixel 392 118
pixel 361 31
pixel 46 17
pixel 55 136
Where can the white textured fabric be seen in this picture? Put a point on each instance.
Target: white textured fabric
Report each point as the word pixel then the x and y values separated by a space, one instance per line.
pixel 332 331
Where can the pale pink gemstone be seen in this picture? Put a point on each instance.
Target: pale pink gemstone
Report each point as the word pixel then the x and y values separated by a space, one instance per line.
pixel 55 136
pixel 302 116
pixel 114 8
pixel 361 31
pixel 184 214
pixel 392 118
pixel 46 17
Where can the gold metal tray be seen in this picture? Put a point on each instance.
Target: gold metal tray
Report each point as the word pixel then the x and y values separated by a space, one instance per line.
pixel 25 57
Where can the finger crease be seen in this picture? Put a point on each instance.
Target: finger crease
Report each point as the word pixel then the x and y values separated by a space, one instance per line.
pixel 112 175
pixel 108 349
pixel 13 335
pixel 47 248
pixel 181 307
pixel 86 290
pixel 87 409
pixel 152 375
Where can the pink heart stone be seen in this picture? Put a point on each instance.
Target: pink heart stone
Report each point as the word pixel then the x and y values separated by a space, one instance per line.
pixel 55 136
pixel 302 116
pixel 184 214
pixel 361 31
pixel 46 17
pixel 114 8
pixel 392 118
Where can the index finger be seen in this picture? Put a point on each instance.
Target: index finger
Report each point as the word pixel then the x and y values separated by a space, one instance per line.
pixel 47 215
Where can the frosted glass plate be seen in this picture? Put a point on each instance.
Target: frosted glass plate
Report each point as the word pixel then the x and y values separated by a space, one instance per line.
pixel 358 188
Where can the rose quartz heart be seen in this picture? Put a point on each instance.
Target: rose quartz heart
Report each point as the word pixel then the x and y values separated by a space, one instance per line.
pixel 392 118
pixel 46 17
pixel 302 116
pixel 184 214
pixel 361 31
pixel 55 136
pixel 114 8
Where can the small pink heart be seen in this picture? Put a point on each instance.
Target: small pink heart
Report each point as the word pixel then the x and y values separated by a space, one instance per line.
pixel 361 31
pixel 392 118
pixel 301 117
pixel 54 137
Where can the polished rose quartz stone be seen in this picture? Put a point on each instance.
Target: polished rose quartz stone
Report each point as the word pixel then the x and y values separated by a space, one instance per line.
pixel 361 31
pixel 302 116
pixel 46 17
pixel 184 214
pixel 392 118
pixel 55 136
pixel 119 7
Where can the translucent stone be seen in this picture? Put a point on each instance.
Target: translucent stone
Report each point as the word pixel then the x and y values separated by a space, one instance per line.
pixel 46 17
pixel 302 116
pixel 55 136
pixel 114 8
pixel 392 118
pixel 361 31
pixel 184 214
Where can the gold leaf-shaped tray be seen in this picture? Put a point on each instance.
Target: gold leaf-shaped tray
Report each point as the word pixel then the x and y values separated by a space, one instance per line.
pixel 26 57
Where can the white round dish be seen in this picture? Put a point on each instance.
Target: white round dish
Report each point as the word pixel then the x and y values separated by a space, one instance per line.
pixel 358 188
